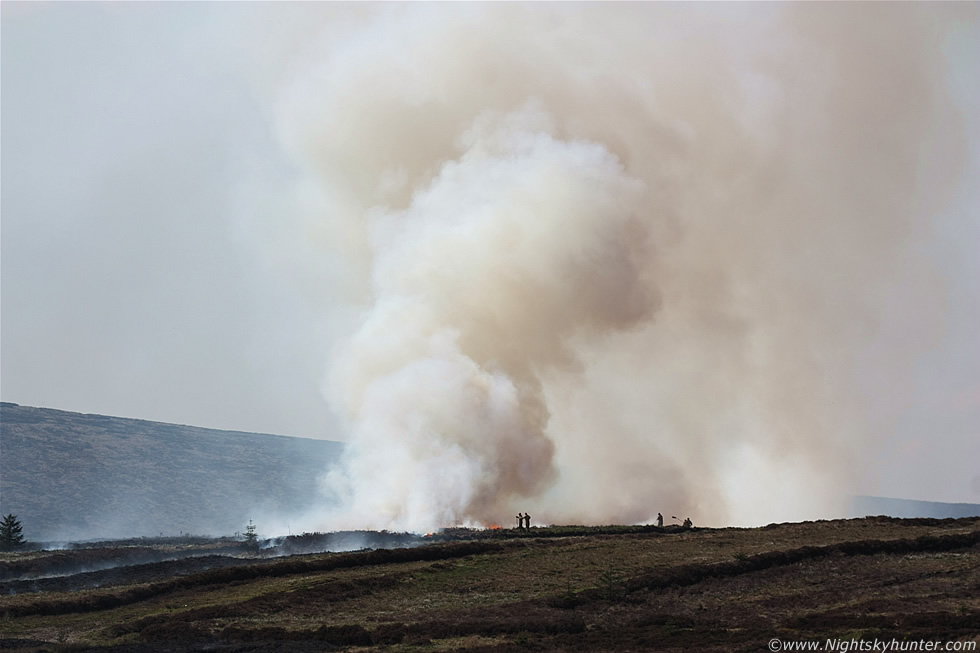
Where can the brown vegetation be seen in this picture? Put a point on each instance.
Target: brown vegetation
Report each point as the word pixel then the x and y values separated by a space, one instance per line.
pixel 615 588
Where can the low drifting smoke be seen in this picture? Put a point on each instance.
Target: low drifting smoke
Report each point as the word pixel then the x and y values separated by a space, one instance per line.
pixel 612 260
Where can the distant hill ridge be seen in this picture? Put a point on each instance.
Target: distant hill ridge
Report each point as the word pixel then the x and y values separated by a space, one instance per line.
pixel 75 476
pixel 71 475
pixel 864 506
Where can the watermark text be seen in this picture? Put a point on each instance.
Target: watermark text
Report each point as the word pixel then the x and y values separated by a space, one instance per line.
pixel 870 645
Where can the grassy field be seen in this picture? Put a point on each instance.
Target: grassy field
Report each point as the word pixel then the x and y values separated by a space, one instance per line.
pixel 596 589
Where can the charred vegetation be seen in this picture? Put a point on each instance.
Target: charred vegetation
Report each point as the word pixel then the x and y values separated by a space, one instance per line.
pixel 608 588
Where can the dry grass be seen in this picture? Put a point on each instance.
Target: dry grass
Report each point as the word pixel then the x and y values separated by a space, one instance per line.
pixel 723 589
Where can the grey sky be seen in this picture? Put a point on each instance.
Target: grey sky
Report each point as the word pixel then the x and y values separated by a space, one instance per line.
pixel 128 288
pixel 146 272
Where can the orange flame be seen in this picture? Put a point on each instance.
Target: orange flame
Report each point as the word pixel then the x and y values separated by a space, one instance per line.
pixel 494 527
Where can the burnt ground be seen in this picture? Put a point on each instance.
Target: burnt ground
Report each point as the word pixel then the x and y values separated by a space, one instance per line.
pixel 565 588
pixel 92 565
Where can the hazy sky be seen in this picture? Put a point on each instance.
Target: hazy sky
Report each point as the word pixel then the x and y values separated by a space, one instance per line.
pixel 131 150
pixel 159 260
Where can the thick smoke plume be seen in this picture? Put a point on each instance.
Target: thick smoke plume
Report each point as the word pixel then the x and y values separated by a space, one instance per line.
pixel 614 260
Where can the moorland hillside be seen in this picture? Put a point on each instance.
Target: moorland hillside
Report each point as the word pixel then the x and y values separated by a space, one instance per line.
pixel 70 476
pixel 541 589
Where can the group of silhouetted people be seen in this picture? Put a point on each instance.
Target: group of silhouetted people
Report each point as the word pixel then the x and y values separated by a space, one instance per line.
pixel 524 521
pixel 660 521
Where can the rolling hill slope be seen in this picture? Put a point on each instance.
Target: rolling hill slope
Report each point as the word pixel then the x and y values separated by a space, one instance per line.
pixel 78 476
pixel 863 506
pixel 73 476
pixel 780 587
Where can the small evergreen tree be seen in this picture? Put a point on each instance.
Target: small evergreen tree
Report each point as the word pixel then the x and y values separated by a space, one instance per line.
pixel 251 537
pixel 11 535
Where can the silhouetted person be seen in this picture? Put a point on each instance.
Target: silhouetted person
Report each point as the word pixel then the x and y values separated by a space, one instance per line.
pixel 527 520
pixel 688 523
pixel 520 520
pixel 660 520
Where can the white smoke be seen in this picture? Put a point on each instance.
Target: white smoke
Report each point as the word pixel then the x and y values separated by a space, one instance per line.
pixel 613 260
pixel 522 243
